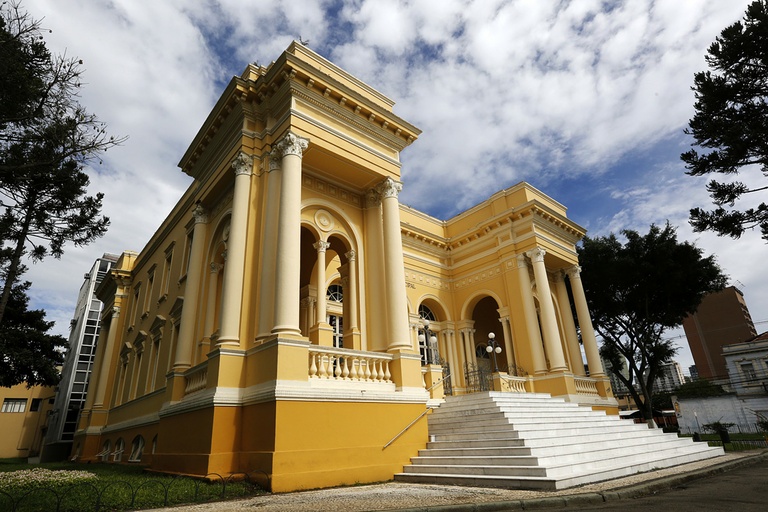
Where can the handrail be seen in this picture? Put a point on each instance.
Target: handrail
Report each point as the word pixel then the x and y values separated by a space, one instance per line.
pixel 426 411
pixel 440 381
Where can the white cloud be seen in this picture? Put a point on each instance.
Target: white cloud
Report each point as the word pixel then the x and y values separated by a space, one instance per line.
pixel 504 91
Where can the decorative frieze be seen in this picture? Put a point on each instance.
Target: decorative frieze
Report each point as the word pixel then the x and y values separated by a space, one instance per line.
pixel 484 275
pixel 327 189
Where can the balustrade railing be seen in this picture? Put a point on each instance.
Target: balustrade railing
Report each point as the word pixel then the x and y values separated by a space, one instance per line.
pixel 348 365
pixel 196 378
pixel 586 386
pixel 513 384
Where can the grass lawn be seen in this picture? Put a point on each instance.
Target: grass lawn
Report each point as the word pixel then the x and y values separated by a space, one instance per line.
pixel 91 487
pixel 739 441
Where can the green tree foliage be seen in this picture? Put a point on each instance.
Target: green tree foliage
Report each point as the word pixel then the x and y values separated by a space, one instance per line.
pixel 28 354
pixel 699 389
pixel 46 138
pixel 731 124
pixel 636 291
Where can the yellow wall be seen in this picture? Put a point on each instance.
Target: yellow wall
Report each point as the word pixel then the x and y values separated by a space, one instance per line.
pixel 22 432
pixel 245 400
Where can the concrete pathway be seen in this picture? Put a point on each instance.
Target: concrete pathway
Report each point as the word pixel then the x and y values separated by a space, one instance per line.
pixel 741 478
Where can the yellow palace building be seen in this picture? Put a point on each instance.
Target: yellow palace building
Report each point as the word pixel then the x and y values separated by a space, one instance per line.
pixel 291 318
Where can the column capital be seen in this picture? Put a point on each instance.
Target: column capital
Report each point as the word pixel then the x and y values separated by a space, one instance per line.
pixel 321 246
pixel 200 214
pixel 574 272
pixel 292 144
pixel 389 188
pixel 537 254
pixel 372 198
pixel 242 164
pixel 351 255
pixel 274 161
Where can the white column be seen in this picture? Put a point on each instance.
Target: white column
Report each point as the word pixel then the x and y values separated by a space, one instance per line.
pixel 585 324
pixel 548 318
pixel 183 357
pixel 457 369
pixel 232 288
pixel 508 345
pixel 531 321
pixel 394 267
pixel 571 337
pixel 106 359
pixel 351 294
pixel 213 284
pixel 288 261
pixel 376 318
pixel 268 249
pixel 469 346
pixel 321 247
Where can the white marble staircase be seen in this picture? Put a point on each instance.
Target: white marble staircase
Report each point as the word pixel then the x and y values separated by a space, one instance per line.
pixel 534 441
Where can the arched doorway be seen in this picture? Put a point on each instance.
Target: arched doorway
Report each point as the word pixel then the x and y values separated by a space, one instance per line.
pixel 490 352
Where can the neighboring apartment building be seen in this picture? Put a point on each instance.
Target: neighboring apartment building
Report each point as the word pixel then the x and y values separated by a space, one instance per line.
pixel 721 319
pixel 78 365
pixel 22 419
pixel 747 365
pixel 271 325
pixel 747 400
pixel 670 377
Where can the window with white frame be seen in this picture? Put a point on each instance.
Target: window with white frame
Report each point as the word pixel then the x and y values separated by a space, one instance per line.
pixel 14 405
pixel 748 370
pixel 335 297
pixel 117 455
pixel 137 449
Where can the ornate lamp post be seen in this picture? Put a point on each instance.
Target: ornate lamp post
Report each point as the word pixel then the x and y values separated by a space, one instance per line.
pixel 493 348
pixel 428 336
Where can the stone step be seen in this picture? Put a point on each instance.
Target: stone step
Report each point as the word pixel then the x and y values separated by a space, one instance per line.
pixel 508 440
pixel 551 430
pixel 531 483
pixel 512 413
pixel 491 448
pixel 478 469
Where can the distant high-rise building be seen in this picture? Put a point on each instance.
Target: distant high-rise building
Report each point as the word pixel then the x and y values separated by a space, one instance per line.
pixel 721 319
pixel 694 372
pixel 76 372
pixel 670 377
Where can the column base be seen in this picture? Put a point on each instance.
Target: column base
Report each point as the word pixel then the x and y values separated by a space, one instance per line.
pixel 352 339
pixel 321 334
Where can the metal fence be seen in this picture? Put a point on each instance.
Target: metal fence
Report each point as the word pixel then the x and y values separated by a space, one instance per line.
pixel 132 495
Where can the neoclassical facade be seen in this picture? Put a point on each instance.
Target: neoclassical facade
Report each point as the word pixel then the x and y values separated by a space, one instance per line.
pixel 290 318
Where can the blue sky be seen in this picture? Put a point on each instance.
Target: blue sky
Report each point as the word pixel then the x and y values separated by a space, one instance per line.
pixel 587 100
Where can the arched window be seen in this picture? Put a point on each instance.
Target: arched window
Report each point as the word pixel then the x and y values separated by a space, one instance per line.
pixel 104 453
pixel 335 293
pixel 117 455
pixel 137 449
pixel 427 337
pixel 426 314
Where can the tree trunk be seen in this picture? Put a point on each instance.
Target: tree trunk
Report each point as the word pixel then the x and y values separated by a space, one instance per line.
pixel 648 409
pixel 13 264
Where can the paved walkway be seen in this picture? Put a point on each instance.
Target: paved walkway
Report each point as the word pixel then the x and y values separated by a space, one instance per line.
pixel 417 497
